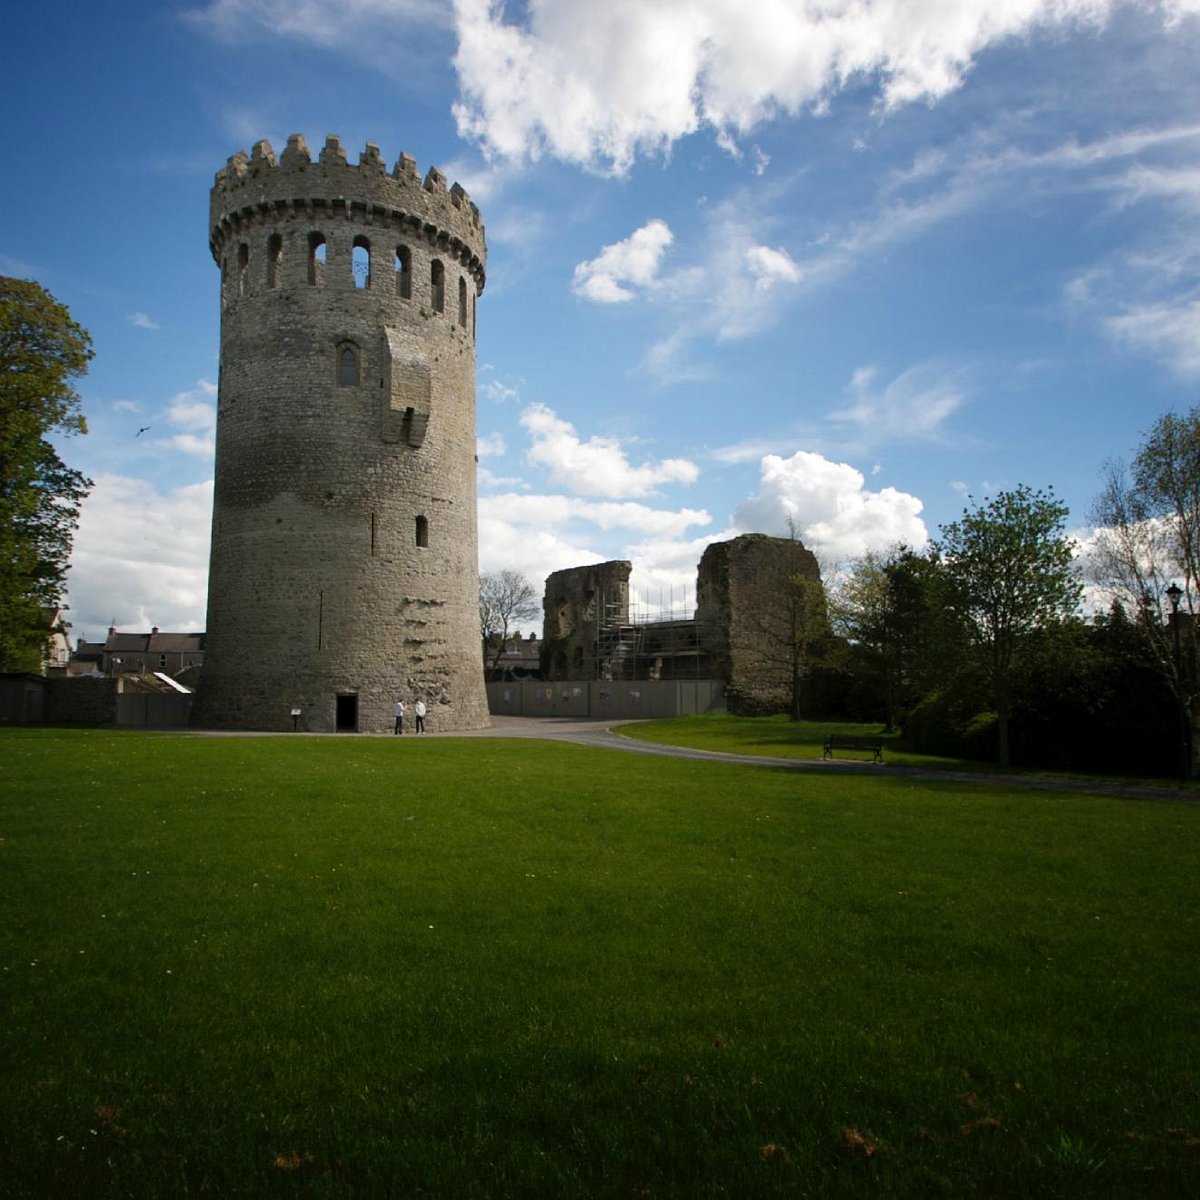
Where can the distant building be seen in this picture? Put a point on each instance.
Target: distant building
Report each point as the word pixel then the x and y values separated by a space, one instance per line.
pixel 173 654
pixel 520 657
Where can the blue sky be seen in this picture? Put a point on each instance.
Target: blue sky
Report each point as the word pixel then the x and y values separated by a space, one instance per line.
pixel 840 262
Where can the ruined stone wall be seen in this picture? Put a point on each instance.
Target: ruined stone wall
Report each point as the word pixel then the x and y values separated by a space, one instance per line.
pixel 745 609
pixel 344 567
pixel 576 604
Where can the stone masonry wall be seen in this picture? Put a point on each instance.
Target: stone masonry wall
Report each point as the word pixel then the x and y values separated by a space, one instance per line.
pixel 576 601
pixel 743 609
pixel 344 566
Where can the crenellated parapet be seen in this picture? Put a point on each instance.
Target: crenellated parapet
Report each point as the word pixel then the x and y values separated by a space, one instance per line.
pixel 265 189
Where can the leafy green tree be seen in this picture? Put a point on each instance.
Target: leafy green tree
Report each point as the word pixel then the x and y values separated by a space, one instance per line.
pixel 42 350
pixel 893 611
pixel 1148 543
pixel 1011 577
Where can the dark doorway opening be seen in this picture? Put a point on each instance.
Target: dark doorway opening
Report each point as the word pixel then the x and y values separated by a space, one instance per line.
pixel 347 714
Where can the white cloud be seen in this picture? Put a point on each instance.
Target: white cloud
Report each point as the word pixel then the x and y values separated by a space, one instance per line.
pixel 143 321
pixel 341 24
pixel 498 392
pixel 490 446
pixel 833 512
pixel 609 277
pixel 913 406
pixel 599 466
pixel 549 511
pixel 1169 330
pixel 540 534
pixel 140 557
pixel 769 267
pixel 194 414
pixel 600 84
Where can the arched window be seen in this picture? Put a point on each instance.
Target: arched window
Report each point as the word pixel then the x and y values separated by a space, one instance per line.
pixel 462 302
pixel 316 259
pixel 275 261
pixel 437 286
pixel 347 365
pixel 361 262
pixel 403 273
pixel 243 268
pixel 422 531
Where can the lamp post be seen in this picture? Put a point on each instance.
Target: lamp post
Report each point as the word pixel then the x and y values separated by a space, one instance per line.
pixel 1175 594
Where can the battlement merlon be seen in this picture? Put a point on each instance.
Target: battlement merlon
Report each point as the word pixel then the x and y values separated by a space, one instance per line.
pixel 263 183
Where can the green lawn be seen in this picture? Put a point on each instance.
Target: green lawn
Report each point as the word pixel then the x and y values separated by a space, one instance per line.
pixel 463 967
pixel 779 737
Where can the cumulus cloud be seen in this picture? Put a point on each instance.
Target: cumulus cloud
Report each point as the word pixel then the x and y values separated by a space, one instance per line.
pixel 610 277
pixel 140 557
pixel 600 84
pixel 194 414
pixel 540 534
pixel 490 446
pixel 598 466
pixel 830 507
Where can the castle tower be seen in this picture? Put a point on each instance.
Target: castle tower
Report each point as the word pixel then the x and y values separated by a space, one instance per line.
pixel 344 570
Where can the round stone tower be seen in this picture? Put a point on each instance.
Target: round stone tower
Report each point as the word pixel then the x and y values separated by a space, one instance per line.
pixel 344 569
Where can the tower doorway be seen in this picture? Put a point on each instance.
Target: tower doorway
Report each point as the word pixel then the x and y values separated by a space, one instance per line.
pixel 347 714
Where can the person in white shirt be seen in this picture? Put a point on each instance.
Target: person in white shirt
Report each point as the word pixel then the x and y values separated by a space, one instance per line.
pixel 419 709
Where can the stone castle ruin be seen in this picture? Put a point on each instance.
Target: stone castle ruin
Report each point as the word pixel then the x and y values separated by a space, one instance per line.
pixel 744 624
pixel 344 568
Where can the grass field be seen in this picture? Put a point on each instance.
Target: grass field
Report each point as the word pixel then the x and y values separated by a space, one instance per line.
pixel 461 967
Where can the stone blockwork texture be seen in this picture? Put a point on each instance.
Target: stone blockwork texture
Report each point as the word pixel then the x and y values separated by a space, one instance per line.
pixel 344 568
pixel 576 604
pixel 742 609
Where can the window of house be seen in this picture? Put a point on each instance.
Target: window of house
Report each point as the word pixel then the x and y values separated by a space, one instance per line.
pixel 422 531
pixel 437 286
pixel 162 662
pixel 403 272
pixel 360 262
pixel 347 365
pixel 316 259
pixel 275 261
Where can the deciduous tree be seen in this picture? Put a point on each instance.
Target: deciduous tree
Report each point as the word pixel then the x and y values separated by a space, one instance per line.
pixel 1010 569
pixel 1148 542
pixel 42 351
pixel 505 597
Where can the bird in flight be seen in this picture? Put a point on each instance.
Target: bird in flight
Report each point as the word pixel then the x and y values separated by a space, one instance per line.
pixel 141 431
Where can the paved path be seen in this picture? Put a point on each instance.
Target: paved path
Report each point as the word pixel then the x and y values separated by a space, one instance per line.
pixel 603 733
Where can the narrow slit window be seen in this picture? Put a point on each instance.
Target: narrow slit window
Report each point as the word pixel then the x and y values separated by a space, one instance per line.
pixel 361 262
pixel 347 366
pixel 462 302
pixel 275 261
pixel 316 259
pixel 437 286
pixel 403 273
pixel 243 268
pixel 422 531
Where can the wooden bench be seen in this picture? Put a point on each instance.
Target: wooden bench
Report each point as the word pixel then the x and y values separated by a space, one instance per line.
pixel 849 741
